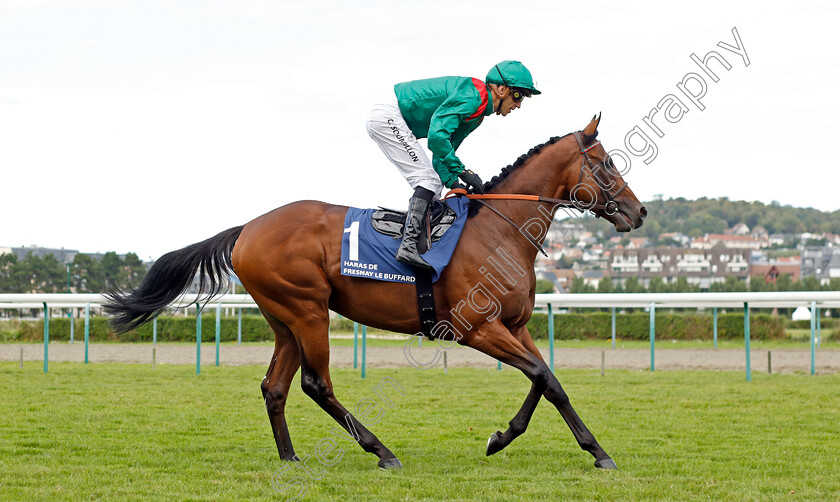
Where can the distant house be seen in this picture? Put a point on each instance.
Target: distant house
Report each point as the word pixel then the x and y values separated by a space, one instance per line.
pixel 62 255
pixel 561 278
pixel 771 272
pixel 711 241
pixel 679 237
pixel 759 233
pixel 776 239
pixel 699 267
pixel 638 243
pixel 740 229
pixel 592 277
pixel 820 262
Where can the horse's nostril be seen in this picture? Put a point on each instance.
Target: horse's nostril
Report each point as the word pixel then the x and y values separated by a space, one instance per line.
pixel 643 212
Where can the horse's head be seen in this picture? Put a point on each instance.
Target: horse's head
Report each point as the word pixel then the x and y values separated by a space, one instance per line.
pixel 600 187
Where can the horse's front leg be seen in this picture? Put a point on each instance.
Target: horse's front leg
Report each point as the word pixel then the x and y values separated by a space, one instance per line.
pixel 499 440
pixel 496 341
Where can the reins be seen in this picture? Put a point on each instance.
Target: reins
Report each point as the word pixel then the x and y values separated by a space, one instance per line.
pixel 586 162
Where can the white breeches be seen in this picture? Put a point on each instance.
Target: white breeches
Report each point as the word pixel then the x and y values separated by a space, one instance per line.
pixel 387 127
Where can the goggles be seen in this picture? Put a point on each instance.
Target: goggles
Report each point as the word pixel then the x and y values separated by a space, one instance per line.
pixel 516 94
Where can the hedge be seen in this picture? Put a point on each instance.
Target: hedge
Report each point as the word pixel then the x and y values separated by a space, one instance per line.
pixel 170 329
pixel 593 325
pixel 825 323
pixel 596 325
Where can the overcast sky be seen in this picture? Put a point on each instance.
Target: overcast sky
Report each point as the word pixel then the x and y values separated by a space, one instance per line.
pixel 146 126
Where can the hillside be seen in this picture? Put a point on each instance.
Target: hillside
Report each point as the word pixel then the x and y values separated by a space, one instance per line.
pixel 696 218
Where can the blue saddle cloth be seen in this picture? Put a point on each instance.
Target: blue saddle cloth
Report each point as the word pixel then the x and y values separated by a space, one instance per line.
pixel 370 254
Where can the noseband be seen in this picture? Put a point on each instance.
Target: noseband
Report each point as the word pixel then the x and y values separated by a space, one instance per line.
pixel 610 206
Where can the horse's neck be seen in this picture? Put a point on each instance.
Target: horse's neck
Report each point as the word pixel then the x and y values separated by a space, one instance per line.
pixel 548 174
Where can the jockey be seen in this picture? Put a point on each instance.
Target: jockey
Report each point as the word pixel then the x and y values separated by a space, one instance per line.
pixel 445 110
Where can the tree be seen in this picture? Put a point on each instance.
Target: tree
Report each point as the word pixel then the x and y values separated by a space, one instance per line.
pixel 632 285
pixel 656 285
pixel 733 284
pixel 811 283
pixel 785 283
pixel 682 286
pixel 10 274
pixel 757 283
pixel 544 287
pixel 135 270
pixel 43 275
pixel 564 262
pixel 111 269
pixel 580 286
pixel 85 276
pixel 605 285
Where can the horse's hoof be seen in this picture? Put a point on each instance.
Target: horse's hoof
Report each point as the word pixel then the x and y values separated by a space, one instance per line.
pixel 494 444
pixel 606 463
pixel 391 463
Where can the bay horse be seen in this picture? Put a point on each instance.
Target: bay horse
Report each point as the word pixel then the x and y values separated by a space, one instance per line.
pixel 289 260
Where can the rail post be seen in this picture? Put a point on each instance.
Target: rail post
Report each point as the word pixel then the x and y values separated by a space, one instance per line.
pixel 87 330
pixel 819 325
pixel 364 349
pixel 239 328
pixel 612 327
pixel 355 345
pixel 218 329
pixel 813 335
pixel 198 339
pixel 46 336
pixel 714 325
pixel 550 339
pixel 747 338
pixel 652 333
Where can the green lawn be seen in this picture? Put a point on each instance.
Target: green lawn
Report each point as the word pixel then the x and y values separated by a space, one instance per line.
pixel 130 432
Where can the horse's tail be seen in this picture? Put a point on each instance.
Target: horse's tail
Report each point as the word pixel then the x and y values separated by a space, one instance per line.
pixel 170 277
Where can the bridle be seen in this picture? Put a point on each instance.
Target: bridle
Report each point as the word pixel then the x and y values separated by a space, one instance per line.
pixel 586 163
pixel 593 170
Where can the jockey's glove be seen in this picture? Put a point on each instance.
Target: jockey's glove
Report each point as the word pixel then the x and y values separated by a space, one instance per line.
pixel 472 180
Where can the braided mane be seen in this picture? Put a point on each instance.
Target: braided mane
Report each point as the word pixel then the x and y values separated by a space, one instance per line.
pixel 506 171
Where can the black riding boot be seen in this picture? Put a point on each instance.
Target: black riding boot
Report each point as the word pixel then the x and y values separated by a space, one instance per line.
pixel 415 221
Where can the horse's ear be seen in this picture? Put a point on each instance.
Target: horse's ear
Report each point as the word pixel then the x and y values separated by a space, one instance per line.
pixel 592 128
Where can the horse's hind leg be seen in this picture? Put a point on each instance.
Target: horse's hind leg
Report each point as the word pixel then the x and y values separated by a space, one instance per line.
pixel 315 382
pixel 275 386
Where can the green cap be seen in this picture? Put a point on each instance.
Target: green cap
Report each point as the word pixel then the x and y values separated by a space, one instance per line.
pixel 512 74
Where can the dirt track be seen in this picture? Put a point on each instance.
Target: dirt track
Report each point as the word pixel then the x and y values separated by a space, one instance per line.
pixel 783 360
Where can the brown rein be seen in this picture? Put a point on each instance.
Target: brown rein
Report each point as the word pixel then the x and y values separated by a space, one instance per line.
pixel 587 162
pixel 460 192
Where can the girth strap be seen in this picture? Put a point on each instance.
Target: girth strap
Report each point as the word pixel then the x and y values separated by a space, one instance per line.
pixel 425 301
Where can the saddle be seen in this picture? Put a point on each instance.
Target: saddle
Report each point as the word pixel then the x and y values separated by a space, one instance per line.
pixel 371 238
pixel 390 222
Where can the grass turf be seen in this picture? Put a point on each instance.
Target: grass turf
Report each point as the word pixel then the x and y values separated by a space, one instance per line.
pixel 128 432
